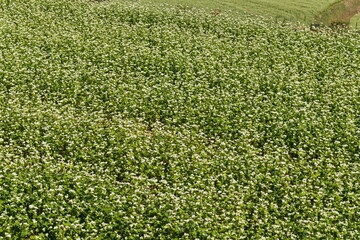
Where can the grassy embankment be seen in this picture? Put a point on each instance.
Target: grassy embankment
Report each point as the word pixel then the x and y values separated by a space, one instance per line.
pixel 302 11
pixel 343 12
pixel 120 121
pixel 355 21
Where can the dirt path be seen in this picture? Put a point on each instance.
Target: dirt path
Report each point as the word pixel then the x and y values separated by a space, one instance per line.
pixel 339 13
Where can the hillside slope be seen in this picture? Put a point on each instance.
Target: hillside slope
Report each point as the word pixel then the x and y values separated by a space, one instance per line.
pixel 296 10
pixel 355 21
pixel 340 12
pixel 123 121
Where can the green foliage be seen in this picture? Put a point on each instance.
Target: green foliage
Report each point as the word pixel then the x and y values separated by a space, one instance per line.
pixel 120 121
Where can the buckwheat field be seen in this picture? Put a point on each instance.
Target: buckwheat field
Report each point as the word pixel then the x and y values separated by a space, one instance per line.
pixel 125 121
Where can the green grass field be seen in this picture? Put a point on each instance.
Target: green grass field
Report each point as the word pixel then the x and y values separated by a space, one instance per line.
pixel 125 121
pixel 355 21
pixel 296 10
